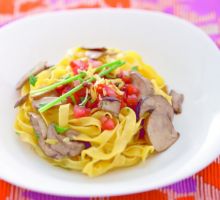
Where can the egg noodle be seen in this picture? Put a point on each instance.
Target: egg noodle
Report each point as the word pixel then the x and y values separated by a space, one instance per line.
pixel 110 149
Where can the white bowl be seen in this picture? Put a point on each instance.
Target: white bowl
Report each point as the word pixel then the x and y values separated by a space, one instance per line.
pixel 184 55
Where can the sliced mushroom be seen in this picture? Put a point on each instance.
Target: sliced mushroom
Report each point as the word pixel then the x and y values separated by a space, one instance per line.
pixel 160 131
pixel 110 104
pixel 59 146
pixel 36 70
pixel 94 55
pixel 47 150
pixel 143 84
pixel 71 148
pixel 71 133
pixel 41 129
pixel 156 102
pixel 102 49
pixel 38 124
pixel 21 100
pixel 45 100
pixel 177 101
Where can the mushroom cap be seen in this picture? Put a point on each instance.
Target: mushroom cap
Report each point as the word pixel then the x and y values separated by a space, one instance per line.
pixel 160 131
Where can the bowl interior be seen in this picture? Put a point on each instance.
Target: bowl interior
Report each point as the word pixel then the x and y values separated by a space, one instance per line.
pixel 178 51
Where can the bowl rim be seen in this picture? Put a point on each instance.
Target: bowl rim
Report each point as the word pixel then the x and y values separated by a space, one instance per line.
pixel 139 188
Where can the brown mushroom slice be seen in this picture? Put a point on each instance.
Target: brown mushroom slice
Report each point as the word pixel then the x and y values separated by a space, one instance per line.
pixel 65 148
pixel 94 55
pixel 59 146
pixel 177 101
pixel 71 133
pixel 75 148
pixel 38 124
pixel 102 49
pixel 110 104
pixel 143 84
pixel 45 100
pixel 47 150
pixel 36 70
pixel 156 102
pixel 41 129
pixel 160 131
pixel 21 101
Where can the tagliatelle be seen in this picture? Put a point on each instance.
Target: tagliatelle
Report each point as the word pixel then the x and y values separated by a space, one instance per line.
pixel 64 115
pixel 110 149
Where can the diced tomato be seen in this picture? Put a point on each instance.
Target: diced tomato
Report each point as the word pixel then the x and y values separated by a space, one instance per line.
pixel 107 123
pixel 80 111
pixel 131 89
pixel 81 92
pixel 123 104
pixel 66 89
pixel 60 89
pixel 132 100
pixel 77 65
pixel 124 75
pixel 77 98
pixel 91 105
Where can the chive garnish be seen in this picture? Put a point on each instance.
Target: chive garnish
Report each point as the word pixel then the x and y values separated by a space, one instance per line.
pixel 111 67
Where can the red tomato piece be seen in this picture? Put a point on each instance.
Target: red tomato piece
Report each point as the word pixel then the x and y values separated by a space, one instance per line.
pixel 81 93
pixel 123 104
pixel 66 89
pixel 124 75
pixel 60 89
pixel 131 89
pixel 91 105
pixel 80 111
pixel 107 123
pixel 132 100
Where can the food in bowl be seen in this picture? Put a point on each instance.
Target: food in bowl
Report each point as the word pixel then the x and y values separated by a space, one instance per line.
pixel 98 109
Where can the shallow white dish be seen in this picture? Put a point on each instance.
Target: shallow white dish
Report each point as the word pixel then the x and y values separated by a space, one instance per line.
pixel 187 59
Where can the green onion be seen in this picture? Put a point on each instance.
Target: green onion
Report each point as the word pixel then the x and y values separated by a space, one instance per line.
pixel 70 79
pixel 32 80
pixel 80 86
pixel 60 130
pixel 73 99
pixel 108 65
pixel 55 85
pixel 61 98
